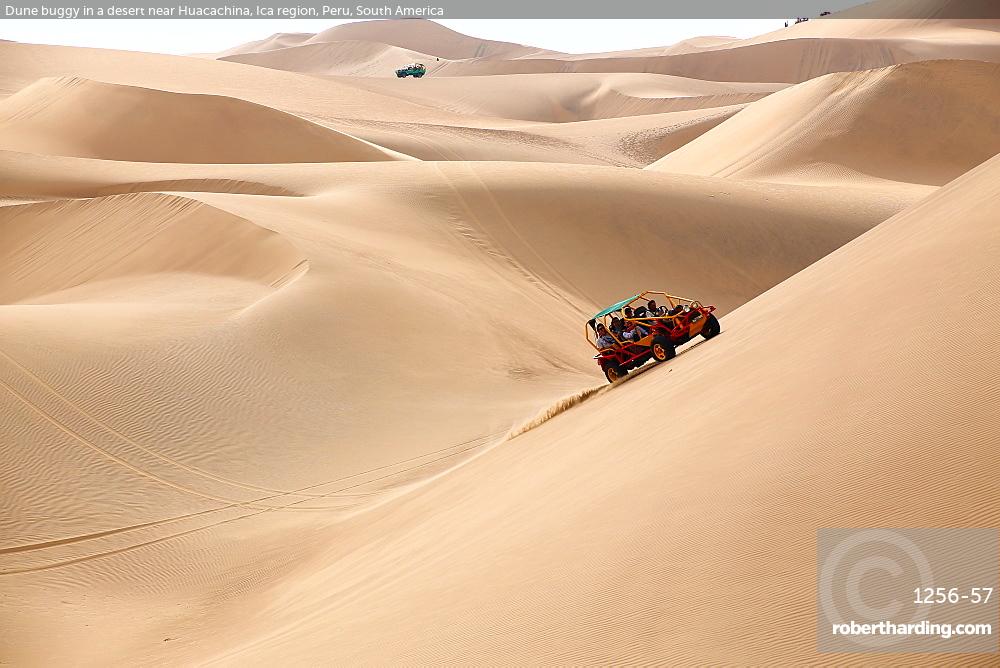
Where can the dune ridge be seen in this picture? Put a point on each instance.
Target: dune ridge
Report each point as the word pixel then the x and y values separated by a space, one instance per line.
pixel 559 98
pixel 628 141
pixel 89 246
pixel 418 35
pixel 964 29
pixel 77 117
pixel 780 61
pixel 901 32
pixel 924 123
pixel 334 58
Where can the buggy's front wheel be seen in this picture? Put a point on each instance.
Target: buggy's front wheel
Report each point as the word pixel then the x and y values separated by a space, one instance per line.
pixel 614 373
pixel 711 327
pixel 662 349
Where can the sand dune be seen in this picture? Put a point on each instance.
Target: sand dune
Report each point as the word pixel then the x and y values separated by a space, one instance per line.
pixel 924 123
pixel 918 27
pixel 303 95
pixel 417 35
pixel 89 249
pixel 610 540
pixel 691 45
pixel 934 29
pixel 790 60
pixel 757 234
pixel 420 125
pixel 619 119
pixel 183 424
pixel 84 118
pixel 931 30
pixel 787 61
pixel 634 141
pixel 343 58
pixel 572 522
pixel 630 141
pixel 280 40
pixel 559 98
pixel 927 13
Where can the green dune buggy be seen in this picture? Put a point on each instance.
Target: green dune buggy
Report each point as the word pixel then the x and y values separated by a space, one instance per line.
pixel 412 70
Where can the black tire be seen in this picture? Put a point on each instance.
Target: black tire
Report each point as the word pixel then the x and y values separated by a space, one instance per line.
pixel 613 372
pixel 418 75
pixel 662 349
pixel 712 327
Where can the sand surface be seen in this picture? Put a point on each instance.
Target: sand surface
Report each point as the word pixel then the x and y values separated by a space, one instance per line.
pixel 924 123
pixel 292 367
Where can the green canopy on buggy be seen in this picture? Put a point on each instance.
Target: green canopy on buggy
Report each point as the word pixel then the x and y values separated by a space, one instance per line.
pixel 616 306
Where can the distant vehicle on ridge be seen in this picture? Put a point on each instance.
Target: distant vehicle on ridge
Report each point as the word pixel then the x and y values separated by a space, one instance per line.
pixel 413 69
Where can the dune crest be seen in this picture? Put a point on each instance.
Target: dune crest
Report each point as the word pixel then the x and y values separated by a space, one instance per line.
pixel 368 59
pixel 904 31
pixel 86 249
pixel 924 123
pixel 561 98
pixel 84 118
pixel 418 35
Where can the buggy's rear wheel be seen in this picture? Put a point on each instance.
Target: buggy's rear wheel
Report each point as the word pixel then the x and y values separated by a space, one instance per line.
pixel 712 326
pixel 613 372
pixel 662 349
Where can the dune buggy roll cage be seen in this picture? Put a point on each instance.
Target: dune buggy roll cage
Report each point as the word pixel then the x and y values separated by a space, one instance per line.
pixel 635 302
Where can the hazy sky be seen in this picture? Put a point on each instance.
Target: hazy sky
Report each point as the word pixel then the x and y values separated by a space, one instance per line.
pixel 209 35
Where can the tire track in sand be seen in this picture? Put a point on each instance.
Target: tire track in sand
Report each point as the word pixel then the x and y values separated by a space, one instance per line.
pixel 476 443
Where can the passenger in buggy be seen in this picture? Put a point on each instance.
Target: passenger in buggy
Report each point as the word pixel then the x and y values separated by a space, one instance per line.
pixel 653 310
pixel 604 339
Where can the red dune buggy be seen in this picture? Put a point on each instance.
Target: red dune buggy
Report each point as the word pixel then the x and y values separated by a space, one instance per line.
pixel 631 332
